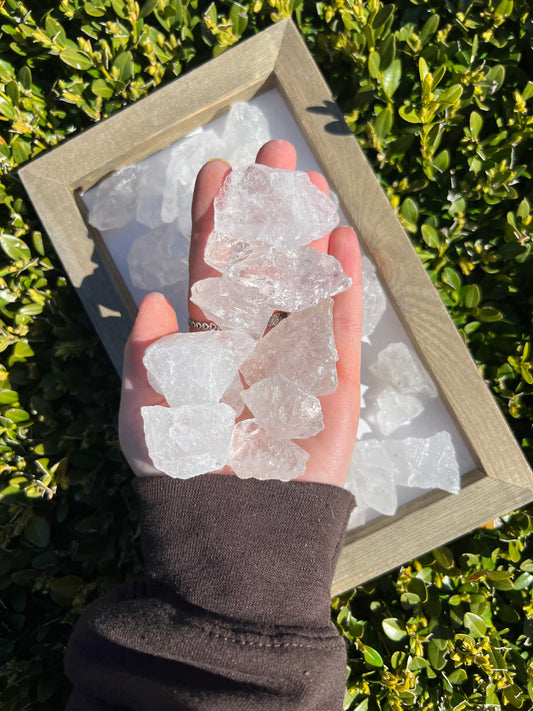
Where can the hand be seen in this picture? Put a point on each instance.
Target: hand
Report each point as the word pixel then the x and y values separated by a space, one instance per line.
pixel 331 450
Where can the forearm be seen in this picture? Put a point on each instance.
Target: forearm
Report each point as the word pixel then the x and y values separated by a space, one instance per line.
pixel 234 610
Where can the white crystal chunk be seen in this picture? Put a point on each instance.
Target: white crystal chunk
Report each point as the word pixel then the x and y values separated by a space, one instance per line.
pixel 159 258
pixel 283 409
pixel 115 199
pixel 232 305
pixel 374 299
pixel 371 477
pixel 399 366
pixel 289 280
pixel 189 368
pixel 190 440
pixel 233 395
pixel 302 348
pixel 150 189
pixel 396 409
pixel 254 453
pixel 245 131
pixel 426 462
pixel 281 207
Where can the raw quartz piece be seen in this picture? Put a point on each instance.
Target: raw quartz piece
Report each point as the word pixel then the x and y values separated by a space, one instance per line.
pixel 426 462
pixel 302 348
pixel 190 440
pixel 371 477
pixel 245 131
pixel 254 453
pixel 232 305
pixel 398 366
pixel 281 207
pixel 115 200
pixel 150 188
pixel 396 409
pixel 283 409
pixel 159 258
pixel 186 159
pixel 289 280
pixel 374 299
pixel 189 368
pixel 233 395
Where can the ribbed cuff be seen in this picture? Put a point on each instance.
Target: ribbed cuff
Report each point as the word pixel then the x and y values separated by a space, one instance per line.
pixel 257 551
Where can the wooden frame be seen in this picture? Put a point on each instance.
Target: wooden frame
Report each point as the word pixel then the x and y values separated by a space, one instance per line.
pixel 278 58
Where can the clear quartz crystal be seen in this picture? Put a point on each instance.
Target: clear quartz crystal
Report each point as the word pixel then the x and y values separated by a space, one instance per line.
pixel 190 440
pixel 396 409
pixel 255 453
pixel 302 348
pixel 232 305
pixel 188 368
pixel 290 280
pixel 400 367
pixel 245 131
pixel 371 477
pixel 159 258
pixel 426 462
pixel 233 395
pixel 281 207
pixel 283 409
pixel 151 185
pixel 115 200
pixel 374 299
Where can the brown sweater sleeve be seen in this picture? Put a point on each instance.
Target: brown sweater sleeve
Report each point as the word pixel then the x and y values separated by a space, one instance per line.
pixel 233 613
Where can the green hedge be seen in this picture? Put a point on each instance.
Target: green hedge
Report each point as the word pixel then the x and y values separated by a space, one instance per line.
pixel 439 95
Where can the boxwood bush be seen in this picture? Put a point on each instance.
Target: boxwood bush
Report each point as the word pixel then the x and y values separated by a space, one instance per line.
pixel 439 95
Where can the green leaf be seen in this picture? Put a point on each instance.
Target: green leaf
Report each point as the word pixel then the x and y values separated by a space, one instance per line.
pixel 8 397
pixel 390 78
pixel 37 531
pixel 437 656
pixel 451 277
pixel 501 579
pixel 409 212
pixel 444 557
pixel 430 235
pixel 475 625
pixel 409 114
pixel 94 10
pixel 383 124
pixel 64 589
pixel 372 656
pixel 472 296
pixel 429 29
pixel 148 7
pixel 393 629
pixel 373 65
pixel 16 415
pixel 123 63
pixel 239 19
pixel 12 90
pixel 423 69
pixel 75 58
pixel 489 314
pixel 451 95
pixel 494 78
pixel 14 247
pixel 100 87
pixel 476 124
pixel 458 677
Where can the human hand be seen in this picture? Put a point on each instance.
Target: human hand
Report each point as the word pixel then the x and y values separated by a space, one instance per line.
pixel 331 449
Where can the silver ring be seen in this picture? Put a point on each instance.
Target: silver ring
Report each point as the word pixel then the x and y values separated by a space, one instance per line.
pixel 202 325
pixel 276 318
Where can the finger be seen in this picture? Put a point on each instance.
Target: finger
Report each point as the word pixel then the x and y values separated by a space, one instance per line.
pixel 320 244
pixel 208 183
pixel 156 318
pixel 277 154
pixel 331 450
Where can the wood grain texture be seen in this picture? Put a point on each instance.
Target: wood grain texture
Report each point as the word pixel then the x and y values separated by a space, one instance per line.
pixel 278 58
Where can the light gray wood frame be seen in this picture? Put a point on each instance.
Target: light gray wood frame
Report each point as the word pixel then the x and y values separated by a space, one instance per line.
pixel 278 58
